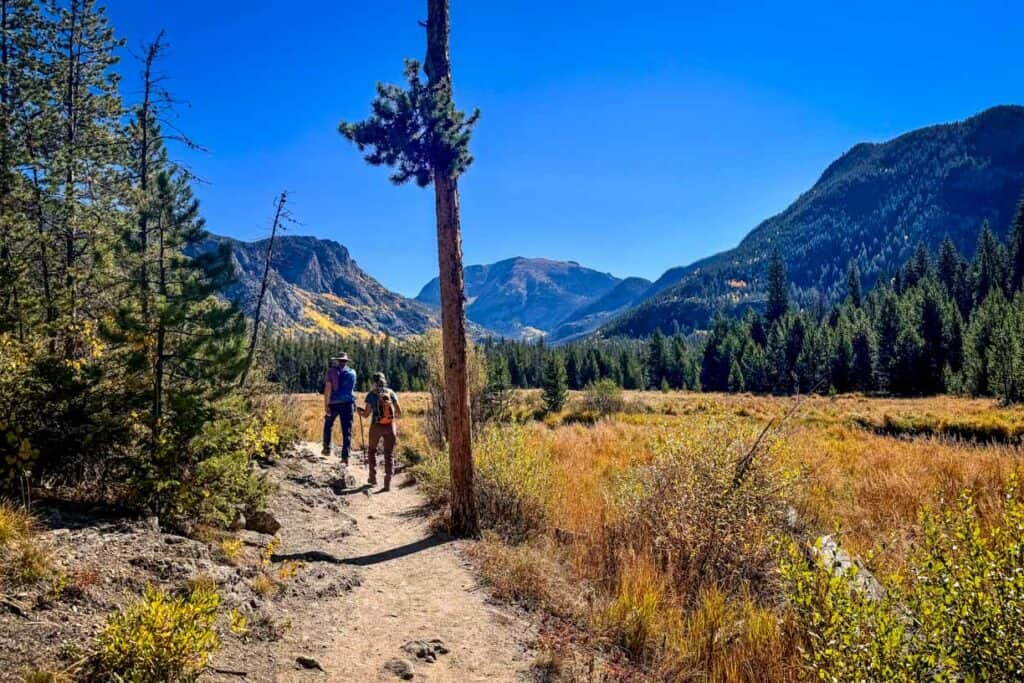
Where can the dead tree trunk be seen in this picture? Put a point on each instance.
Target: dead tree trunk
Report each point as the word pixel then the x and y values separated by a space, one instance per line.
pixel 278 216
pixel 453 301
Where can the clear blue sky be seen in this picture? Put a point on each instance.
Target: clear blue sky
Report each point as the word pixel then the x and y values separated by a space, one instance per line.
pixel 630 137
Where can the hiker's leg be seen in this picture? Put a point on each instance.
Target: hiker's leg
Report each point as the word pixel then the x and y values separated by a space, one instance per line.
pixel 388 438
pixel 371 455
pixel 345 412
pixel 328 426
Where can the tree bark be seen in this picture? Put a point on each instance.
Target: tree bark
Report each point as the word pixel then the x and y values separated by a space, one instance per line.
pixel 453 301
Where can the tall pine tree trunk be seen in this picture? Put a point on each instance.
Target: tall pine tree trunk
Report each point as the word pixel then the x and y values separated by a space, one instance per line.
pixel 70 136
pixel 453 301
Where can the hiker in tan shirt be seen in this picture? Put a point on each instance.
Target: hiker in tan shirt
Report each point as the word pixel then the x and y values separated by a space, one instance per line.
pixel 383 404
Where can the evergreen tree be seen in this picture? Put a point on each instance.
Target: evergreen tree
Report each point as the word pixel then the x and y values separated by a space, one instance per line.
pixel 735 383
pixel 778 289
pixel 853 291
pixel 988 269
pixel 556 387
pixel 1016 249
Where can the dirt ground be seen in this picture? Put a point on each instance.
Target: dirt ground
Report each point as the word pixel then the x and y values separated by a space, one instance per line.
pixel 363 588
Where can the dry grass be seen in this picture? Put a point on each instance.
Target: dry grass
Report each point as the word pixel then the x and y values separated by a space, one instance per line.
pixel 24 558
pixel 865 467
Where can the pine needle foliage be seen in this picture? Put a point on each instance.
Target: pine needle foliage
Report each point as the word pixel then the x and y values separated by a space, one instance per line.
pixel 414 130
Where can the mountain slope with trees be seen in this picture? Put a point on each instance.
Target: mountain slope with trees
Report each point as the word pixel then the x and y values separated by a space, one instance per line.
pixel 526 297
pixel 588 318
pixel 872 206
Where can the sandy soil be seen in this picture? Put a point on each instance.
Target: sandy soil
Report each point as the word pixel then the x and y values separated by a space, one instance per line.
pixel 358 582
pixel 408 589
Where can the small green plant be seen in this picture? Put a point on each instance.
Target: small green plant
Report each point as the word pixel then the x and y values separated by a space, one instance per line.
pixel 160 638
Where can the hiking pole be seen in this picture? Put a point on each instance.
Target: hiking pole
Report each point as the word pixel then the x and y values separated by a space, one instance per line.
pixel 362 435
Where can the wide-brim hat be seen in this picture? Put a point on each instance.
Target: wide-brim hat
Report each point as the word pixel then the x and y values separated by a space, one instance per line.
pixel 341 356
pixel 379 377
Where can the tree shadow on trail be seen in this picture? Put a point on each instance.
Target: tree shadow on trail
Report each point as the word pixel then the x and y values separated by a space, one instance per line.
pixel 366 560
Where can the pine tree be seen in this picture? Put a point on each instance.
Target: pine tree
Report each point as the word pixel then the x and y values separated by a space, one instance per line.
pixel 556 388
pixel 419 132
pixel 735 383
pixel 778 289
pixel 853 291
pixel 1017 249
pixel 86 143
pixel 989 267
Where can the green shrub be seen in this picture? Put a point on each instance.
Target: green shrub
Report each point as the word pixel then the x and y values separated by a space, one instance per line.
pixel 208 477
pixel 603 397
pixel 958 615
pixel 160 638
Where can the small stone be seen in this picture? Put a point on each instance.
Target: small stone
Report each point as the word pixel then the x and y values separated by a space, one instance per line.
pixel 308 663
pixel 262 522
pixel 427 650
pixel 400 668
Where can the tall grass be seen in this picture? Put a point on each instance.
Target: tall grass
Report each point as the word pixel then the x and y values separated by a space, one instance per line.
pixel 661 558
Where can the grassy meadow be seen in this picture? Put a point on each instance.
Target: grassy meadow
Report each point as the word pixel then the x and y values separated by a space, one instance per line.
pixel 633 531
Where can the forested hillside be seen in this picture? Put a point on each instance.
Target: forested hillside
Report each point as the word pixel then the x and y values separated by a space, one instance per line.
pixel 871 206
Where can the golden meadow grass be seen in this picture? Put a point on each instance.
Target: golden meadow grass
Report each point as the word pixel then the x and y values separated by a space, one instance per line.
pixel 859 466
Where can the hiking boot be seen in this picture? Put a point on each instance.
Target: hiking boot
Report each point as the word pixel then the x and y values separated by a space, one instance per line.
pixel 325 451
pixel 387 484
pixel 372 481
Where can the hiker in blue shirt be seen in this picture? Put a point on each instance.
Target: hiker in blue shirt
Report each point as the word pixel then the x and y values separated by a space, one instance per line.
pixel 339 401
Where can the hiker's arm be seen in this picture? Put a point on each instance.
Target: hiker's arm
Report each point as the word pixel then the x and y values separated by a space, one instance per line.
pixel 398 406
pixel 365 410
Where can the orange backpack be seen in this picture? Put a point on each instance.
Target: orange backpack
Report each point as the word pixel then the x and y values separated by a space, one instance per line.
pixel 385 409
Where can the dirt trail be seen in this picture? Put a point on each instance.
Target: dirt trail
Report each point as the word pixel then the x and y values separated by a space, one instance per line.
pixel 376 577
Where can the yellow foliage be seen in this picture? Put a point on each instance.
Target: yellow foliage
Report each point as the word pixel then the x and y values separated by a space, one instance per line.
pixel 160 638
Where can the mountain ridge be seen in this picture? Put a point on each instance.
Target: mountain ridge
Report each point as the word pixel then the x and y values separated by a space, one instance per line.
pixel 524 297
pixel 873 205
pixel 317 287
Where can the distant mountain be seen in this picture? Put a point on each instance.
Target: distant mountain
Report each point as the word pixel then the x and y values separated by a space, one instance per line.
pixel 588 318
pixel 316 286
pixel 873 205
pixel 526 297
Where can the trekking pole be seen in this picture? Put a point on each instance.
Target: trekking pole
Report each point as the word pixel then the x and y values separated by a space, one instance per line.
pixel 362 435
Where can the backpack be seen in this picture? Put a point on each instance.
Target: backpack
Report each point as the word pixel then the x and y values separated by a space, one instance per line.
pixel 385 409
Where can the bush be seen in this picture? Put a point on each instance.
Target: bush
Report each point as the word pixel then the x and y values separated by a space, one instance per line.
pixel 704 522
pixel 513 480
pixel 23 558
pixel 160 638
pixel 210 477
pixel 958 615
pixel 603 397
pixel 47 404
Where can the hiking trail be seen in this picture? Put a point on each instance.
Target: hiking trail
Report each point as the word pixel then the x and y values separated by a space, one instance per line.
pixel 379 594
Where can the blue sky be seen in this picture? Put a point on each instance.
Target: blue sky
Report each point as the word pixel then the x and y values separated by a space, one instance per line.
pixel 631 137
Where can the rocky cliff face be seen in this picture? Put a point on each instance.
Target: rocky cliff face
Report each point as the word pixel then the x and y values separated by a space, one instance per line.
pixel 317 287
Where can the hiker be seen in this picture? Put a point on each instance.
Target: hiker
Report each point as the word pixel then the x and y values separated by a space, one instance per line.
pixel 383 404
pixel 339 402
